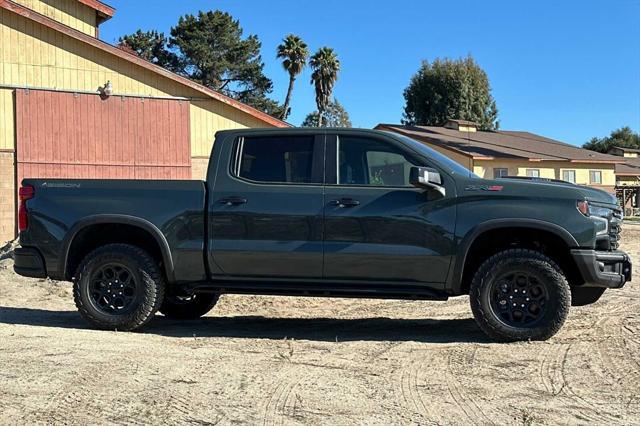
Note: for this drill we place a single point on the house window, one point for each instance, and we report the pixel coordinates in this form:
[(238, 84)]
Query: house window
[(569, 176), (498, 173), (534, 173), (595, 177)]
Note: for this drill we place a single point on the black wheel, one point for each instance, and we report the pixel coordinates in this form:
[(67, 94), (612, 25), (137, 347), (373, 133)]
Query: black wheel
[(520, 295), (118, 287), (185, 307)]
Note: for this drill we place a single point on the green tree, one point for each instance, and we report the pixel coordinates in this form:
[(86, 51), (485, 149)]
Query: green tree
[(151, 46), (294, 53), (623, 137), (334, 116), (210, 49), (325, 66), (447, 88)]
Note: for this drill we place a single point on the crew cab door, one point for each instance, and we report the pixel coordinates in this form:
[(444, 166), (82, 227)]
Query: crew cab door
[(266, 207), (377, 226)]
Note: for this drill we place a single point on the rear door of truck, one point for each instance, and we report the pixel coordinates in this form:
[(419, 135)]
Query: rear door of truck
[(266, 206)]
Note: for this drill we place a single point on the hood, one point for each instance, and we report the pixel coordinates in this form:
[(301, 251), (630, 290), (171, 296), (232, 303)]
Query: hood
[(590, 194), (597, 195)]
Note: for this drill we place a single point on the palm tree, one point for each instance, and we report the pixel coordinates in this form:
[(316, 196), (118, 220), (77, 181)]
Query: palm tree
[(294, 52), (325, 65)]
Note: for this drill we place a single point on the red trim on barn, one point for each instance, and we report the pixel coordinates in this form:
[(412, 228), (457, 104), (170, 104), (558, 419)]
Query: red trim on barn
[(105, 12)]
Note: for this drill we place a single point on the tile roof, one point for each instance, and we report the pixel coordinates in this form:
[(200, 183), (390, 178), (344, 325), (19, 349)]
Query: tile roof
[(502, 144), (631, 167)]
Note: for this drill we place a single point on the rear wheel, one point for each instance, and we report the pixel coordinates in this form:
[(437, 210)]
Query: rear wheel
[(520, 295), (185, 307), (118, 287)]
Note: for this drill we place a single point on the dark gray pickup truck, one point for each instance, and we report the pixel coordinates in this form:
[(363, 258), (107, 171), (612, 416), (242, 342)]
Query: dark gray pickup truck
[(308, 212)]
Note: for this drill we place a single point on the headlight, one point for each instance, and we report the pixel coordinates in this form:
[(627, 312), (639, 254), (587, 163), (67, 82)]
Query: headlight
[(599, 211), (599, 214)]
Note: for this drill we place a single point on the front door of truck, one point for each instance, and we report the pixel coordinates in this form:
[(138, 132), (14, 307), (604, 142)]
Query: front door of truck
[(377, 226), (266, 207)]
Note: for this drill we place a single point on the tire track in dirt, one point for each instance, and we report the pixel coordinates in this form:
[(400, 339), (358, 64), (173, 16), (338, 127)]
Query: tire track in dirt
[(554, 377), (449, 400), (617, 356), (81, 391), (460, 363), (280, 403), (92, 393), (407, 387)]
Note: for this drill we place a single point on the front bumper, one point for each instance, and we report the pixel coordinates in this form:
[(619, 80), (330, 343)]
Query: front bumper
[(29, 263), (608, 269)]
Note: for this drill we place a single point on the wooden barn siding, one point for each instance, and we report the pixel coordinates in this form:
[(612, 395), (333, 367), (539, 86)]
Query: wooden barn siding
[(7, 123), (72, 13), (81, 136), (35, 56)]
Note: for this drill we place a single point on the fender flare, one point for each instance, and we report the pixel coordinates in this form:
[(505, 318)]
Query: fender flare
[(455, 282), (144, 224)]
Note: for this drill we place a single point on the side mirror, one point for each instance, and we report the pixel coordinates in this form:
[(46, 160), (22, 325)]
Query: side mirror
[(426, 177)]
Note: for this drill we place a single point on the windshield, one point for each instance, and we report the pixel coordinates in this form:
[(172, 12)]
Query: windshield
[(448, 163)]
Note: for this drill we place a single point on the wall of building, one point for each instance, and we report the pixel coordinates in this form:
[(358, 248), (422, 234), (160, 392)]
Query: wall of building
[(199, 167), (7, 196), (548, 169), (72, 13), (7, 122), (32, 55)]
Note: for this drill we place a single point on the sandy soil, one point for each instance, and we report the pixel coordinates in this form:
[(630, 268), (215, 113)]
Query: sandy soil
[(268, 360)]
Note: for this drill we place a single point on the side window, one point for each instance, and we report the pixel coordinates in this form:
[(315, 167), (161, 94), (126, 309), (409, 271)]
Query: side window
[(276, 159), (363, 161)]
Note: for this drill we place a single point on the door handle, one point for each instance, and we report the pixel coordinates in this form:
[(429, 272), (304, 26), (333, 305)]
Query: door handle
[(233, 201), (345, 202)]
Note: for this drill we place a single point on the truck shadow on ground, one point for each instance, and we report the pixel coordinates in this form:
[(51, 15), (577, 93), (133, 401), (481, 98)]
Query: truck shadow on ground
[(258, 327)]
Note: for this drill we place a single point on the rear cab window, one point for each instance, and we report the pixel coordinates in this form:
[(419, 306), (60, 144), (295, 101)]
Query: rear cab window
[(278, 159)]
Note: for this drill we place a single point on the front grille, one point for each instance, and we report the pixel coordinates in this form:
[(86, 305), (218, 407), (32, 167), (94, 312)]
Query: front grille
[(615, 228)]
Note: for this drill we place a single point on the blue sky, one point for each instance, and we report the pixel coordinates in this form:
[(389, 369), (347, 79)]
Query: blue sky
[(569, 70)]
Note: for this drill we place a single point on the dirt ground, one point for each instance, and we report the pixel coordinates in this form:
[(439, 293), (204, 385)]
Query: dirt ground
[(269, 360)]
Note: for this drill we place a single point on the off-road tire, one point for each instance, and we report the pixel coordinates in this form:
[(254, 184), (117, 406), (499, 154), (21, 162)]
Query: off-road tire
[(150, 286), (527, 261), (194, 307)]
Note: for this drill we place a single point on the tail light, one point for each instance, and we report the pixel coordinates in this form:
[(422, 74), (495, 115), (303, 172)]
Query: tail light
[(25, 193)]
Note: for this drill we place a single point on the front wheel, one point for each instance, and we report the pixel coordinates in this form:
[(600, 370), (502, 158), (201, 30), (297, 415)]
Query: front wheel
[(520, 295)]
